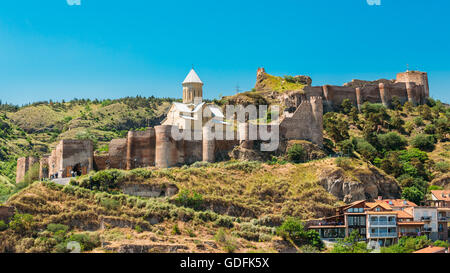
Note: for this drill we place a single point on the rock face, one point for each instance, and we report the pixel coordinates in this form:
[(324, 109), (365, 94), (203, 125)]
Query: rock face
[(443, 181), (148, 248), (145, 190), (365, 184)]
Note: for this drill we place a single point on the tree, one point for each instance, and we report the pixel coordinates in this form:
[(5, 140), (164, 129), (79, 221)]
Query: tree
[(366, 150), (396, 103), (425, 111), (351, 244), (346, 147), (336, 127), (413, 194), (424, 142), (296, 153), (293, 230), (346, 106), (392, 141), (22, 223)]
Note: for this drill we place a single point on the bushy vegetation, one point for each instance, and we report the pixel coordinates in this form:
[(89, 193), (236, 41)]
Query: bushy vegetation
[(399, 141), (293, 230), (351, 244), (296, 153), (190, 199), (408, 245)]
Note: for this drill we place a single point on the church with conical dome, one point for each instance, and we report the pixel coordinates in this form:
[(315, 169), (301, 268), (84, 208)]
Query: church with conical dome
[(193, 113)]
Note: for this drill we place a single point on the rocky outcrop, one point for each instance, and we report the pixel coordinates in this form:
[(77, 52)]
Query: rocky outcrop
[(311, 151), (359, 184), (148, 190), (148, 248), (442, 181)]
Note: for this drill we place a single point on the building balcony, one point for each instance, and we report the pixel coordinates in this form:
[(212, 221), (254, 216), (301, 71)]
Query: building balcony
[(383, 223), (442, 219), (428, 229), (409, 234), (383, 235), (425, 218)]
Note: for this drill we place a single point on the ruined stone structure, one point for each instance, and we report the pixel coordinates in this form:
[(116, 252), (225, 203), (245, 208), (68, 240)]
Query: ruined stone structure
[(302, 119), (409, 86), (24, 164)]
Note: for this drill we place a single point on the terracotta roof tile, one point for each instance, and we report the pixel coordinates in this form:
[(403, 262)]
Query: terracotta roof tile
[(431, 249), (442, 195)]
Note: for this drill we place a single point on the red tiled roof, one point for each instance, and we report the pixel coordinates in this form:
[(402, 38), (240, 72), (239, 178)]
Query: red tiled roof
[(442, 195), (431, 249), (377, 203), (404, 215), (399, 203)]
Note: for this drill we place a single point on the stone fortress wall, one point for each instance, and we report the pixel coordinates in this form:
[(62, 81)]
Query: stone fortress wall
[(156, 146)]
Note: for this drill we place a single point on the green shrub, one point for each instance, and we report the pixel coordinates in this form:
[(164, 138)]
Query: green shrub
[(224, 221), (346, 147), (366, 150), (138, 228), (189, 199), (106, 180), (336, 127), (440, 243), (424, 142), (442, 166), (3, 226), (22, 223), (418, 121), (227, 241), (87, 240), (54, 228), (351, 244), (176, 230), (296, 153), (109, 203), (293, 230), (392, 141), (430, 129), (344, 163)]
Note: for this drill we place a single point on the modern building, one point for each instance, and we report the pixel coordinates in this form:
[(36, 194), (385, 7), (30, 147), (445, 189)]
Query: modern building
[(429, 216), (383, 222)]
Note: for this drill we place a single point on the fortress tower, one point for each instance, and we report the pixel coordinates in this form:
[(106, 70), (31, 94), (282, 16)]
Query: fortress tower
[(192, 87)]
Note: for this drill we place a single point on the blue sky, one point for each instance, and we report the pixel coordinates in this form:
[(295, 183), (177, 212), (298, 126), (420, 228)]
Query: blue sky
[(111, 49)]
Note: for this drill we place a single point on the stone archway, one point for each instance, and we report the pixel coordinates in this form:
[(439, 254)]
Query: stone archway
[(76, 170)]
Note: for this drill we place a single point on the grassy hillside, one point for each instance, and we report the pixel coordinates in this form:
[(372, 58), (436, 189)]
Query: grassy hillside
[(410, 143), (35, 129)]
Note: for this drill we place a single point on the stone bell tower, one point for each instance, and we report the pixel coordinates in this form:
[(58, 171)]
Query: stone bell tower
[(192, 88)]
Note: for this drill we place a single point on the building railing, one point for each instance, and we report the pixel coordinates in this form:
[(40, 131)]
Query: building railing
[(383, 234), (442, 219), (428, 229), (409, 234), (426, 218), (383, 223)]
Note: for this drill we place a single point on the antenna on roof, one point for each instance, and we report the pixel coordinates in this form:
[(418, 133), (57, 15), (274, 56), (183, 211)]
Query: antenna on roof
[(237, 88)]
